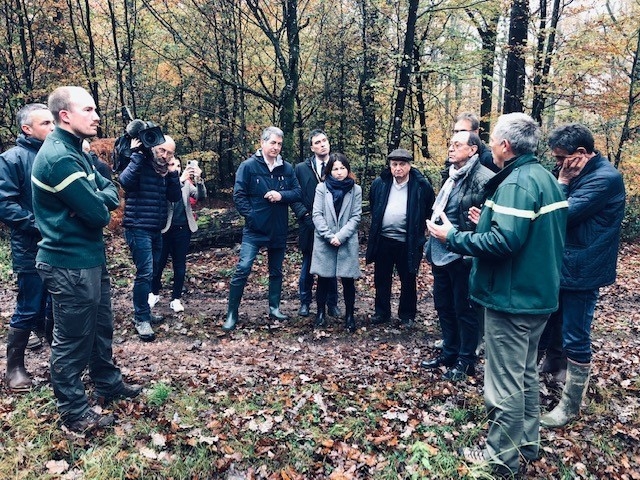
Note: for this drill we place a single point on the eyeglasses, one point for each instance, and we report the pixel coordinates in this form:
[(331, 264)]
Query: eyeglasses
[(461, 130), (562, 158)]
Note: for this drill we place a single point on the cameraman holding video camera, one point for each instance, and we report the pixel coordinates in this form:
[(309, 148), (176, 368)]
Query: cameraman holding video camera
[(149, 181)]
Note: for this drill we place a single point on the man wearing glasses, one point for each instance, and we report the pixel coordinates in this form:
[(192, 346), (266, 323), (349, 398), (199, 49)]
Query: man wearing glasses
[(149, 181), (596, 195), (468, 122)]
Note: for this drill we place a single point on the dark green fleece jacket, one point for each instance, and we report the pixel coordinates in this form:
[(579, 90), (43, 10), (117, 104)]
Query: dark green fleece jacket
[(71, 203)]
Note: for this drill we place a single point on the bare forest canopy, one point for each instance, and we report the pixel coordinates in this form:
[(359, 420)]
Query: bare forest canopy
[(374, 74)]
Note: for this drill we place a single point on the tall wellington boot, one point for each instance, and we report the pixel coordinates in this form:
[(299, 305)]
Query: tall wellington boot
[(349, 319), (17, 378), (574, 391), (275, 290), (235, 295), (321, 317)]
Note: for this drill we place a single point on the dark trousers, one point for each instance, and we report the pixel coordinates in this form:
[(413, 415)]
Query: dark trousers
[(146, 247), (393, 253), (175, 242), (31, 303), (459, 320), (325, 285), (82, 335), (305, 284)]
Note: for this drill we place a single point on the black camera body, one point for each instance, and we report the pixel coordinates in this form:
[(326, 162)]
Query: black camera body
[(149, 134)]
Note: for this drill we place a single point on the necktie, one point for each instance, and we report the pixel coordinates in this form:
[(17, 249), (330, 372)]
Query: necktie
[(321, 172)]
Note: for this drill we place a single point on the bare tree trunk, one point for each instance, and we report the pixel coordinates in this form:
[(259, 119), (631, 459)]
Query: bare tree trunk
[(544, 52), (403, 81)]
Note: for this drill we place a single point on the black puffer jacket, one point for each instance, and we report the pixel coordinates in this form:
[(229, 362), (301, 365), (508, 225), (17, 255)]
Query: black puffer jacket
[(16, 208), (596, 208), (147, 193), (419, 203)]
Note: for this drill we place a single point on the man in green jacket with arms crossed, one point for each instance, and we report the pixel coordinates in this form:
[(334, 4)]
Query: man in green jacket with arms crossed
[(517, 249), (71, 203)]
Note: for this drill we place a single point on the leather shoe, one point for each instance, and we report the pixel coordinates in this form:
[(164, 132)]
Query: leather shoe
[(379, 319), (126, 390), (439, 361), (406, 322), (333, 311), (303, 311), (460, 372), (321, 320), (89, 421)]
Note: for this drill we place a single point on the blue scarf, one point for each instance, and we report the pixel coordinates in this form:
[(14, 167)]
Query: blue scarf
[(338, 189)]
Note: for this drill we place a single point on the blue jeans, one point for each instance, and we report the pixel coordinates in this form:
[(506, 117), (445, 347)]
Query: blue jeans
[(248, 253), (458, 318), (82, 335), (31, 302), (305, 284), (577, 307), (146, 247), (175, 242)]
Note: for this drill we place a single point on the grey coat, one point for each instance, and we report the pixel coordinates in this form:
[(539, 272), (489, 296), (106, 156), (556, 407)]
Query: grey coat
[(327, 260)]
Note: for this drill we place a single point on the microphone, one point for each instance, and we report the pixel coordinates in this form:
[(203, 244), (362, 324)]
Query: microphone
[(135, 127)]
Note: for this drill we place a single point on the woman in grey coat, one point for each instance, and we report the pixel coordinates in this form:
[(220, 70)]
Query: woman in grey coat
[(337, 208)]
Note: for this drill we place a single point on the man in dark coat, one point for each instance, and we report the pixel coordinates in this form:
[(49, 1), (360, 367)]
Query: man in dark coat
[(400, 200), (459, 319), (309, 173), (35, 122), (596, 195), (265, 187), (148, 182)]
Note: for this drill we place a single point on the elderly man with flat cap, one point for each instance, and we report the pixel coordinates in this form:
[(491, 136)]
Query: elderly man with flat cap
[(400, 199)]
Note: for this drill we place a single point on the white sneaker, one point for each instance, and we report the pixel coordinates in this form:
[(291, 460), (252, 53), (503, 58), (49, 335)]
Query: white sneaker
[(176, 305), (152, 300)]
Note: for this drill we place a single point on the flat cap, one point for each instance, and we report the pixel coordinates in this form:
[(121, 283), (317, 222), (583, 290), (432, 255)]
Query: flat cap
[(400, 154)]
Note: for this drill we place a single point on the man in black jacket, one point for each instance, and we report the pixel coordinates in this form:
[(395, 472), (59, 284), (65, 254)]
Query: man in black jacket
[(309, 173), (35, 122), (400, 199), (265, 187), (149, 181)]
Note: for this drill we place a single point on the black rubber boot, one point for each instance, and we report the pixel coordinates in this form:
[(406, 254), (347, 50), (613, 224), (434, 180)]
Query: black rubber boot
[(349, 319), (48, 329), (235, 295), (321, 318), (17, 378), (275, 289)]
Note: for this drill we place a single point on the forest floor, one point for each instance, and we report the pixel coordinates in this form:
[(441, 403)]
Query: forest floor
[(285, 401)]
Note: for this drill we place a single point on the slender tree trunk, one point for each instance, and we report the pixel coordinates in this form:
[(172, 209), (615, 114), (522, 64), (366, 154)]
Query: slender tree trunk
[(544, 54), (403, 86), (422, 108)]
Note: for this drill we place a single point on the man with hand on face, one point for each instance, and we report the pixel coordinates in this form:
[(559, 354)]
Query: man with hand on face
[(265, 187), (71, 203), (309, 173), (459, 322), (149, 182), (400, 200), (35, 122), (596, 195)]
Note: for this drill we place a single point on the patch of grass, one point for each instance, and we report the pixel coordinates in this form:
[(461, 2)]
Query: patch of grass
[(158, 394)]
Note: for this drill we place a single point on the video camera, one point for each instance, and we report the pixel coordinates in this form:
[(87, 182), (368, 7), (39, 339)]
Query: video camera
[(148, 133)]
